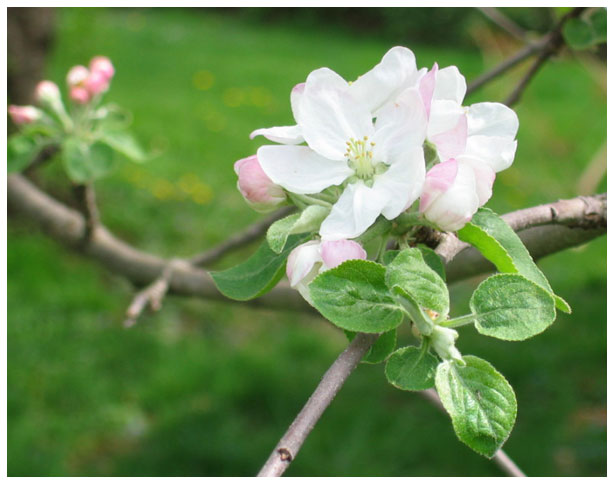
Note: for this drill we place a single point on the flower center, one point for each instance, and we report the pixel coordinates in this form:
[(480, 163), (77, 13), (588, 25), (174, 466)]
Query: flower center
[(360, 157)]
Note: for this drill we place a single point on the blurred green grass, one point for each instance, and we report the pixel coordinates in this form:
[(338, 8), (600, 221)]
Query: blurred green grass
[(205, 388)]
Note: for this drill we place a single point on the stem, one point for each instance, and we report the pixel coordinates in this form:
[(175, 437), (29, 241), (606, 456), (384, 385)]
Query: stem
[(459, 321), (287, 448)]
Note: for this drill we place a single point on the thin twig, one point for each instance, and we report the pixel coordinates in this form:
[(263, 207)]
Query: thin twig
[(504, 22), (86, 201), (153, 294), (554, 43), (287, 448), (240, 239), (501, 459)]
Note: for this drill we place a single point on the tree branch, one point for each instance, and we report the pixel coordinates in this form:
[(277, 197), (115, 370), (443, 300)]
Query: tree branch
[(555, 40), (504, 22), (288, 447), (86, 201), (67, 226)]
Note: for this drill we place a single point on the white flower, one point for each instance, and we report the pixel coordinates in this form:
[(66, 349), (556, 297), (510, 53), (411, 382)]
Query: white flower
[(479, 138), (380, 164), (309, 259)]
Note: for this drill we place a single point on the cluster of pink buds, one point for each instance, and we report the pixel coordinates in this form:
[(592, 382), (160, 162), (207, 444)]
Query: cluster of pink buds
[(84, 83)]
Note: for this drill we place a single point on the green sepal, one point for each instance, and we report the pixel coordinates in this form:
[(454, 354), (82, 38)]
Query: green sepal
[(308, 220)]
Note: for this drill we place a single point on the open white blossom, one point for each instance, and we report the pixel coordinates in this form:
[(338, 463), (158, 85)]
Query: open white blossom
[(368, 145)]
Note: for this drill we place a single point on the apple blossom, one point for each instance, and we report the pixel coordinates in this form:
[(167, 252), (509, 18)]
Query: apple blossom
[(258, 189), (22, 115), (77, 75), (309, 259), (478, 141), (79, 94), (379, 164), (96, 83)]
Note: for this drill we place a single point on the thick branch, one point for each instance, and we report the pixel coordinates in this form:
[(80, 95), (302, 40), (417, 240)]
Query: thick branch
[(504, 22), (288, 447), (86, 200), (67, 226)]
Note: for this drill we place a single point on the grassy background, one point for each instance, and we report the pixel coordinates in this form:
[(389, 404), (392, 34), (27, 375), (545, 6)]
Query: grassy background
[(205, 388)]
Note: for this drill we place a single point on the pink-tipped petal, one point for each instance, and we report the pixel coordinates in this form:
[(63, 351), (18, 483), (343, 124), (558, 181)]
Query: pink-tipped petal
[(96, 83), (335, 253), (79, 95), (102, 65), (258, 189), (22, 115), (426, 87), (437, 181), (453, 142)]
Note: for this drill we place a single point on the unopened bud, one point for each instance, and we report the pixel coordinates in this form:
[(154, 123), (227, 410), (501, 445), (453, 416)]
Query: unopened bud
[(47, 93), (77, 75), (102, 65), (96, 83), (443, 342), (22, 115), (79, 95), (258, 189)]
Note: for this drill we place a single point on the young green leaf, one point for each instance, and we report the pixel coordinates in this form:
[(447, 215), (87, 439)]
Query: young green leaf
[(85, 162), (354, 297), (578, 34), (480, 401), (511, 307), (410, 272), (258, 274), (125, 144), (411, 369), (21, 150), (497, 242), (433, 260), (380, 350), (307, 221)]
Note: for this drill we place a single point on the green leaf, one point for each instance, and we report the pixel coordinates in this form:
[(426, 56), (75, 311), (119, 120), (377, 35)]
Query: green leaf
[(21, 151), (354, 297), (480, 401), (433, 260), (389, 256), (411, 369), (258, 274), (410, 272), (511, 307), (307, 221), (125, 144), (84, 162), (497, 242)]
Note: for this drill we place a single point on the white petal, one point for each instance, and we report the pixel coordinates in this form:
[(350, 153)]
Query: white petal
[(452, 142), (492, 119), (296, 95), (496, 151), (402, 122), (357, 209), (450, 84), (329, 116), (401, 184), (396, 71), (301, 170), (444, 116), (287, 135), (451, 210), (484, 177), (301, 261)]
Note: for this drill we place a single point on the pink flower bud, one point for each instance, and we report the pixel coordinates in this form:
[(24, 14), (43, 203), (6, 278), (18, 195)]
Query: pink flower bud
[(77, 75), (335, 253), (47, 92), (102, 65), (258, 189), (309, 259), (449, 198), (22, 115), (96, 83), (79, 95)]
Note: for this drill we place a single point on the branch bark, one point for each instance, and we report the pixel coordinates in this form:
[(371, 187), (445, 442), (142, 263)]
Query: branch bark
[(67, 226)]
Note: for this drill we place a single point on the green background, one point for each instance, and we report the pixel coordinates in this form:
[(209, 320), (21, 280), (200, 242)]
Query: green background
[(207, 388)]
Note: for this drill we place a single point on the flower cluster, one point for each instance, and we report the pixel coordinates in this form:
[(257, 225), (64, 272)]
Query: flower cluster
[(396, 141), (84, 86)]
